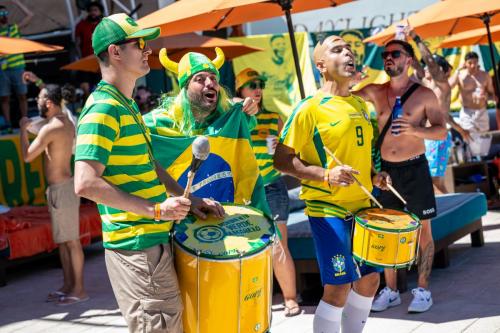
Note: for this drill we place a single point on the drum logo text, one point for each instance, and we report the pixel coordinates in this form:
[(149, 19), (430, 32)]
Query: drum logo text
[(253, 295), (378, 247), (239, 226), (338, 263)]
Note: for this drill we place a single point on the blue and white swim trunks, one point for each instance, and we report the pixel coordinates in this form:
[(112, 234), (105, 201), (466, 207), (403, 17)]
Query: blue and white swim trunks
[(438, 153)]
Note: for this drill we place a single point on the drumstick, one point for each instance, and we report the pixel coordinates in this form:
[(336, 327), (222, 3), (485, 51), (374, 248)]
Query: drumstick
[(393, 190), (396, 193), (355, 179)]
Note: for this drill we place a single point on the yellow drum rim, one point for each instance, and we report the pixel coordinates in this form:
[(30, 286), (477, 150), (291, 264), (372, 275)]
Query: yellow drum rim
[(365, 225), (257, 250)]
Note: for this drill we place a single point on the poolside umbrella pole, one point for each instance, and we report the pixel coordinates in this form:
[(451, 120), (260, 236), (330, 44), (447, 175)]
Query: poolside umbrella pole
[(486, 20), (286, 5)]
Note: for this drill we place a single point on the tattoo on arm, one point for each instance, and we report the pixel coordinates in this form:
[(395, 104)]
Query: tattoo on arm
[(434, 69), (425, 261)]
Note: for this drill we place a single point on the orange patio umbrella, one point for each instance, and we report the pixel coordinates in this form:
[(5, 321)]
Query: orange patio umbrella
[(9, 45), (177, 46), (444, 18), (194, 15), (472, 37), (448, 17)]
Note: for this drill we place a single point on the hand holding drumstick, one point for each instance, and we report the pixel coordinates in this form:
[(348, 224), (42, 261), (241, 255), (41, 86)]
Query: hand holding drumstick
[(383, 181), (354, 179)]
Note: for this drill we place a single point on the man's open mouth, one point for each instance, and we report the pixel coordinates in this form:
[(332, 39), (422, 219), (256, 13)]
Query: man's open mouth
[(210, 96), (350, 65)]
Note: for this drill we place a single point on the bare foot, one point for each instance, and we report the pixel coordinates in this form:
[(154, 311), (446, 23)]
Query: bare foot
[(292, 308)]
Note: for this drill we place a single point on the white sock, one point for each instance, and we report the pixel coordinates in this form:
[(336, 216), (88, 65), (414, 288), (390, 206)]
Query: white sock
[(327, 318), (356, 311)]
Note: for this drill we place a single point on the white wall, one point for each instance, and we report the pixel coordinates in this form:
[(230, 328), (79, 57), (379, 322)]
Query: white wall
[(355, 15)]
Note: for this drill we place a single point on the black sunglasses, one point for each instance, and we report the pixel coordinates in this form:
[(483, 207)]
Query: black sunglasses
[(394, 54), (256, 85)]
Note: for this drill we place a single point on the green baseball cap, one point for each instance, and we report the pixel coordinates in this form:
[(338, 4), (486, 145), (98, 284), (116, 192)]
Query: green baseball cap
[(116, 28)]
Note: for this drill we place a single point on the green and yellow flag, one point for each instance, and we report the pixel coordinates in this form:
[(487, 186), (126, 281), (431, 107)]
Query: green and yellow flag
[(230, 173)]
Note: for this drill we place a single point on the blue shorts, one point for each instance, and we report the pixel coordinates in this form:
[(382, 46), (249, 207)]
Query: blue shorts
[(277, 198), (438, 153), (11, 81), (332, 239)]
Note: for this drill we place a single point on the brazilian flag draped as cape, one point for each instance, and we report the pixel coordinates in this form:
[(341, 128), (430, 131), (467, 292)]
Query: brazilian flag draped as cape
[(229, 174)]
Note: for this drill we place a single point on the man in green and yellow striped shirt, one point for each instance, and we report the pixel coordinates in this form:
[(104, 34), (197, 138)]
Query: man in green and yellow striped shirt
[(12, 66), (115, 168)]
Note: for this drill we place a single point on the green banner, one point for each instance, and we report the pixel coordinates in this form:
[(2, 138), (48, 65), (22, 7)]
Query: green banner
[(20, 183)]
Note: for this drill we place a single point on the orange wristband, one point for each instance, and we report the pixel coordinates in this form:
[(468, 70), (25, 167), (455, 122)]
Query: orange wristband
[(326, 177), (157, 212)]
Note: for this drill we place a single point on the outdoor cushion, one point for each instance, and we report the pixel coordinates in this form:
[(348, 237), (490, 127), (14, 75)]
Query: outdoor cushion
[(456, 210), (36, 234)]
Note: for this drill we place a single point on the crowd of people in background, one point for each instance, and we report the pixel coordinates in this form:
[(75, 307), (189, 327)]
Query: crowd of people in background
[(12, 67), (15, 81)]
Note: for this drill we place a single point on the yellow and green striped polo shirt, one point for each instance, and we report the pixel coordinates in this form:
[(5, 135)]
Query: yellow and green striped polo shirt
[(13, 60), (341, 124), (267, 124), (112, 132)]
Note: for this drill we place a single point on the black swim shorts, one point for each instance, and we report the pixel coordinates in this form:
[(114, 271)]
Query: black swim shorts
[(413, 181)]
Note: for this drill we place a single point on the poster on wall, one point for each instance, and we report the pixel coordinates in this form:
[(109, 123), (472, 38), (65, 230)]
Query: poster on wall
[(276, 63)]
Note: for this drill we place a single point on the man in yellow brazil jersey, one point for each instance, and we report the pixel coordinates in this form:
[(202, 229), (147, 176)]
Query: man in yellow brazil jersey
[(335, 119)]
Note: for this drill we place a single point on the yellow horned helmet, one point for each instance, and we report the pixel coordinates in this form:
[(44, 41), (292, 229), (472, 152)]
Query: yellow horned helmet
[(192, 63)]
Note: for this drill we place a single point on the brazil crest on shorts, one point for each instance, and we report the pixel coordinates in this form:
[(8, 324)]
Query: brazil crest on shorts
[(230, 173)]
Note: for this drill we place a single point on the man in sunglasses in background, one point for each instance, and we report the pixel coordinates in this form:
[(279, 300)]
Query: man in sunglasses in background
[(434, 74), (12, 67), (403, 157), (114, 166)]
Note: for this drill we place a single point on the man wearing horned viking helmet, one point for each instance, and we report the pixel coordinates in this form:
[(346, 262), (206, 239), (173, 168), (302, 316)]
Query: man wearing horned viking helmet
[(203, 107)]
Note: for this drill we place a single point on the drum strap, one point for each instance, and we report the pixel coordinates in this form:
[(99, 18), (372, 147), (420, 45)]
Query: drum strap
[(388, 124)]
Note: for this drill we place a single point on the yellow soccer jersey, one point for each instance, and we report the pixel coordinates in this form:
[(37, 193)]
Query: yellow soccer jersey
[(342, 124)]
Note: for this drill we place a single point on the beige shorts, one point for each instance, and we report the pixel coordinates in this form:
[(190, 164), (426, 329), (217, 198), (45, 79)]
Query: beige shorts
[(146, 289), (64, 211)]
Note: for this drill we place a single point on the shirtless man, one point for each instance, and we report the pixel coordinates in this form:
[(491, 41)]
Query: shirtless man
[(53, 141), (474, 86), (435, 76), (403, 157)]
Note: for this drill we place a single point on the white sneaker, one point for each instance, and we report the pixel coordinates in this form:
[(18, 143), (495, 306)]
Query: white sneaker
[(422, 300), (386, 298)]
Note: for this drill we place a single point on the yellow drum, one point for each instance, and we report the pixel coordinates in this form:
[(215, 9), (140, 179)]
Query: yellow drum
[(225, 271), (385, 237)]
